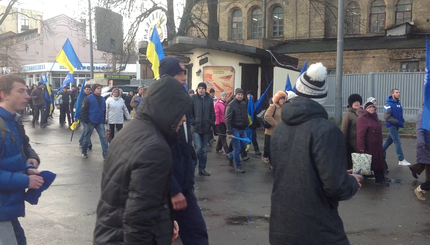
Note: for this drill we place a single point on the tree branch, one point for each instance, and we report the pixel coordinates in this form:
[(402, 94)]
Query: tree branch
[(7, 11)]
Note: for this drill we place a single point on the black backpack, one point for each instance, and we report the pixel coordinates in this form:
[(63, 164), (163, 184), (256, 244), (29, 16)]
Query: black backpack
[(264, 122)]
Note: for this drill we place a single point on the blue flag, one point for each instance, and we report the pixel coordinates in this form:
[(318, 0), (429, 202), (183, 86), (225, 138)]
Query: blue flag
[(70, 78), (426, 109), (288, 84), (250, 112), (5, 73), (79, 103), (259, 103), (304, 68)]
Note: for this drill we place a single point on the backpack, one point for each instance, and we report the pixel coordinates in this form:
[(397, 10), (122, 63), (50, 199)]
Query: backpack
[(264, 122), (3, 131)]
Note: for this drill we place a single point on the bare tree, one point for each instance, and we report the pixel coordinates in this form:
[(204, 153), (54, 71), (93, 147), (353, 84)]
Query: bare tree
[(7, 11)]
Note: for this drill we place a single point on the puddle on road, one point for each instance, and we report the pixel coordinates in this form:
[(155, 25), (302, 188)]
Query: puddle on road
[(243, 220)]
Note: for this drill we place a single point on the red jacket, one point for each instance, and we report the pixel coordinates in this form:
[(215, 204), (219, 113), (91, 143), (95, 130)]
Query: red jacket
[(369, 139), (219, 112)]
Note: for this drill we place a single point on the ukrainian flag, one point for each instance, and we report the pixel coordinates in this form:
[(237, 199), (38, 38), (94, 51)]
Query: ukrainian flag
[(68, 58), (44, 80), (155, 52), (250, 112)]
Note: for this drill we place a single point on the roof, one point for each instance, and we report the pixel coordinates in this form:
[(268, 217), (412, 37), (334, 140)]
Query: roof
[(350, 44), (181, 45)]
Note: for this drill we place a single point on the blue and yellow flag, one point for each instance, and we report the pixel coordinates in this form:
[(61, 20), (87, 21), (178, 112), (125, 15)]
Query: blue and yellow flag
[(68, 58), (259, 103), (426, 109), (154, 52), (78, 107), (44, 80)]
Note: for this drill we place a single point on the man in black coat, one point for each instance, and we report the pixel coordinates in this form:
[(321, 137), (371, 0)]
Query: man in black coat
[(185, 207), (134, 206), (203, 119), (308, 155)]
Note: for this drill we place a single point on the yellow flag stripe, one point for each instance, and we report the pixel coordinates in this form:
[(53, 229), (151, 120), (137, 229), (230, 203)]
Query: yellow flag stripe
[(152, 56), (64, 61)]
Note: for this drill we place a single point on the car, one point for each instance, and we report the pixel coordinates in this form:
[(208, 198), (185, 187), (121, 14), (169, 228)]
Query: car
[(107, 91)]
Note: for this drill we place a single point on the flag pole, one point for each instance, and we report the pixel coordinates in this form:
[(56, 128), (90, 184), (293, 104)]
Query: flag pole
[(91, 40)]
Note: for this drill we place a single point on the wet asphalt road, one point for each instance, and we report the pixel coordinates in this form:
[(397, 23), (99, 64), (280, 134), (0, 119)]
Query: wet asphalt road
[(236, 206)]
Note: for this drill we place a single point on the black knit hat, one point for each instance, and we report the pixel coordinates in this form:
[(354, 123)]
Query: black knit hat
[(202, 85), (170, 66), (353, 98), (238, 91)]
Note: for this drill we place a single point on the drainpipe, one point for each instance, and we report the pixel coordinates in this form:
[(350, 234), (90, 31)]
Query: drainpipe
[(264, 18)]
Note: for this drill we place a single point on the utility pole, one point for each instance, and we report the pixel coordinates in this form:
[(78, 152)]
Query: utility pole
[(339, 62), (91, 40)]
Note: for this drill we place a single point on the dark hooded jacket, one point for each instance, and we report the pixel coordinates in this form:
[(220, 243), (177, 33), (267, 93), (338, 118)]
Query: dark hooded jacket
[(134, 206), (203, 114), (309, 167)]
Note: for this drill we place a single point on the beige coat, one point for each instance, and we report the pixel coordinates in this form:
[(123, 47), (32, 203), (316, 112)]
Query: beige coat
[(348, 127), (272, 119)]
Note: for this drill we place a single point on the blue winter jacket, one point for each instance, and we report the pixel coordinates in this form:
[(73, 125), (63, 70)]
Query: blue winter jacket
[(393, 113), (13, 170), (93, 109)]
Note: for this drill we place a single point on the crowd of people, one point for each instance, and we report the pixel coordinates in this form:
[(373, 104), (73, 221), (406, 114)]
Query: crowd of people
[(147, 189)]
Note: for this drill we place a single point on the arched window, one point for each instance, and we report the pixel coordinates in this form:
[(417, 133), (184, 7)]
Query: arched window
[(257, 23), (403, 11), (278, 22), (352, 18), (236, 25), (377, 16)]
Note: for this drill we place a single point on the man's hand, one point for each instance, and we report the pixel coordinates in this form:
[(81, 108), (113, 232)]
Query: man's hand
[(179, 202), (175, 230), (33, 162), (35, 181), (32, 171), (358, 178), (230, 136), (349, 171)]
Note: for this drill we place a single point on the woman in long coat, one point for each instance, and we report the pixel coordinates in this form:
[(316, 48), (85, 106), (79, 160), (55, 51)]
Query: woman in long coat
[(369, 141), (349, 123), (423, 149)]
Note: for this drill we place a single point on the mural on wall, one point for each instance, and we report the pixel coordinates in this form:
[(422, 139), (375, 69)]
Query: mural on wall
[(220, 78)]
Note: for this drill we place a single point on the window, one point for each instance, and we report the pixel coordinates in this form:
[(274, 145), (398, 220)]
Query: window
[(25, 23), (278, 22), (257, 23), (352, 18), (377, 16), (403, 12), (409, 67), (236, 25)]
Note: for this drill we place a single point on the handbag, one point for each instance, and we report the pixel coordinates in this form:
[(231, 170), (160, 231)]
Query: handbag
[(107, 132), (264, 122), (361, 163)]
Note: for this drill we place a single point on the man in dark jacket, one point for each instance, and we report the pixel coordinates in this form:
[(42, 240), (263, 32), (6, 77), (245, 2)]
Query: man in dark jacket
[(203, 119), (64, 100), (308, 155), (38, 97), (134, 206), (185, 207), (93, 114), (74, 93), (393, 115), (236, 120), (18, 167), (87, 91)]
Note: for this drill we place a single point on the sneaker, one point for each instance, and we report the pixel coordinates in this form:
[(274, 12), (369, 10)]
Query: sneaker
[(204, 173), (265, 160), (419, 194), (404, 163), (239, 170), (84, 156)]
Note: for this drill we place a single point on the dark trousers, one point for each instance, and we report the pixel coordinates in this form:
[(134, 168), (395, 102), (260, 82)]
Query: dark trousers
[(65, 111), (112, 129), (426, 186), (222, 139), (37, 109), (379, 176), (267, 146), (349, 151), (19, 232), (192, 226), (254, 139), (418, 168)]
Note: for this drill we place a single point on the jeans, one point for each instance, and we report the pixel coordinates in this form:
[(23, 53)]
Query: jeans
[(36, 110), (201, 147), (44, 117), (100, 128), (81, 139), (65, 111), (238, 146), (393, 136)]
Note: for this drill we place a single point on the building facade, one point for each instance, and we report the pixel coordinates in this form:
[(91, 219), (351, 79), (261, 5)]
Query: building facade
[(20, 20), (307, 29)]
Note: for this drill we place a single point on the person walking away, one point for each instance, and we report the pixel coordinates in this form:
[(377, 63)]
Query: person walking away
[(115, 112), (63, 102), (393, 115), (74, 93), (369, 141), (93, 114), (87, 91), (18, 161), (236, 120), (38, 97), (134, 206), (219, 109), (273, 117), (349, 123), (203, 118), (255, 124), (186, 210), (212, 133), (308, 155), (423, 149)]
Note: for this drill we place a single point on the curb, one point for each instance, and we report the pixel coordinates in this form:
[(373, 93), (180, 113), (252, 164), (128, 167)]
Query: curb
[(403, 136)]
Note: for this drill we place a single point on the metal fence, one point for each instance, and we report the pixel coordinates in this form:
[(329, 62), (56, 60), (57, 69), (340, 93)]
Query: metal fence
[(379, 85)]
